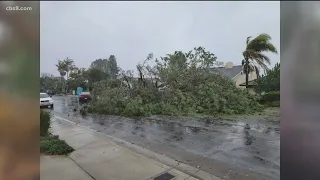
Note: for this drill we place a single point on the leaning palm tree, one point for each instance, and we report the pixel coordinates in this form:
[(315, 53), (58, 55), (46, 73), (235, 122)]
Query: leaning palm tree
[(253, 54)]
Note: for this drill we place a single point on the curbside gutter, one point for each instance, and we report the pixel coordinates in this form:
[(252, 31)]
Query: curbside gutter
[(145, 153)]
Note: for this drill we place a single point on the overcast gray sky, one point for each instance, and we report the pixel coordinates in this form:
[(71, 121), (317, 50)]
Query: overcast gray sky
[(85, 31)]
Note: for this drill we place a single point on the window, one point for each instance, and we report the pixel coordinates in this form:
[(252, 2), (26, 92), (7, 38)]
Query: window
[(44, 95)]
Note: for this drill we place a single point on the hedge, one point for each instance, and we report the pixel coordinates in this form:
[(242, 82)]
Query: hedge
[(271, 96), (45, 118), (273, 104)]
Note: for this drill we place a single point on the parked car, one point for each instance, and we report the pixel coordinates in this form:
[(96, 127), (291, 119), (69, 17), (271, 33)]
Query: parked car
[(46, 100), (85, 97)]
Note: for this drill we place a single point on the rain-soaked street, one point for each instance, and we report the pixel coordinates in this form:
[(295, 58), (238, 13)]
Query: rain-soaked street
[(231, 150)]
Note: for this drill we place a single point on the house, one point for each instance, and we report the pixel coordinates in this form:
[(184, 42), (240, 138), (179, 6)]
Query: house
[(251, 84), (235, 73)]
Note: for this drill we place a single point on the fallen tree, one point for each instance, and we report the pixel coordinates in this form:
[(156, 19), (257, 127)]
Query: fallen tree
[(177, 84)]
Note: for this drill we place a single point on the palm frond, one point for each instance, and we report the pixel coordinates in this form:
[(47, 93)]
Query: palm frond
[(269, 47), (265, 47), (262, 44), (249, 54), (251, 68), (248, 40), (262, 64), (258, 56), (256, 68)]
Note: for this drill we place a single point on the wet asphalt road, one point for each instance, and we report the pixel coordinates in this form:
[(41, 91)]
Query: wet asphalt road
[(230, 150)]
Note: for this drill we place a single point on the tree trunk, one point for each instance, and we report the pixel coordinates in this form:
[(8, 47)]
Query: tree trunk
[(61, 84), (247, 72)]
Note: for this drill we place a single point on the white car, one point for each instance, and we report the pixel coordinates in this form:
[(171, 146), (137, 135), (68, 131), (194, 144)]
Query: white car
[(46, 100)]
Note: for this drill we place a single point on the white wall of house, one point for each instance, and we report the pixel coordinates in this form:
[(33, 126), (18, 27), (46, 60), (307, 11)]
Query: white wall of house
[(241, 78)]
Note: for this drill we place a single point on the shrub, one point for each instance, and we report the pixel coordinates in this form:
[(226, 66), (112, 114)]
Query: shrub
[(273, 104), (45, 120), (54, 146), (271, 96), (135, 107), (270, 81)]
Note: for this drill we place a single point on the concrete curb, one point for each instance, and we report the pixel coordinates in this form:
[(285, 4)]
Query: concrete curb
[(145, 153)]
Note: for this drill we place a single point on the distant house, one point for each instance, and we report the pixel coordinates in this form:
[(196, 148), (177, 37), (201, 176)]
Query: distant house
[(235, 73)]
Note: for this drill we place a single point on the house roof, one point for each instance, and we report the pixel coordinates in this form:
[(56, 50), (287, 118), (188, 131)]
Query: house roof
[(229, 72), (250, 83)]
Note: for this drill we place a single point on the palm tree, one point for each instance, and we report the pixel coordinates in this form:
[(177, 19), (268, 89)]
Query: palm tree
[(62, 68), (253, 54)]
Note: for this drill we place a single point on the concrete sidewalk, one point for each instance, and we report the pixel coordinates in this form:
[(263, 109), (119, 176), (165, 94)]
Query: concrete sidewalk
[(98, 157), (61, 167)]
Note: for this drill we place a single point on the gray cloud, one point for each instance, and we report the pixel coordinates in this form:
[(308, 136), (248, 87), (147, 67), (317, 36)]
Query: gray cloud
[(85, 31)]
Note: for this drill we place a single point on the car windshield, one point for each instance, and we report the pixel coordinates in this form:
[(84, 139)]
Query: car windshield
[(44, 96), (86, 93)]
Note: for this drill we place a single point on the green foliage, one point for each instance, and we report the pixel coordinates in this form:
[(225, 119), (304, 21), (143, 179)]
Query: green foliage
[(270, 81), (96, 75), (271, 96), (78, 78), (177, 84), (99, 70), (65, 67), (112, 68), (54, 146), (62, 67), (45, 121), (48, 137), (135, 107), (49, 82), (99, 63), (69, 63), (273, 104), (108, 66), (107, 100)]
